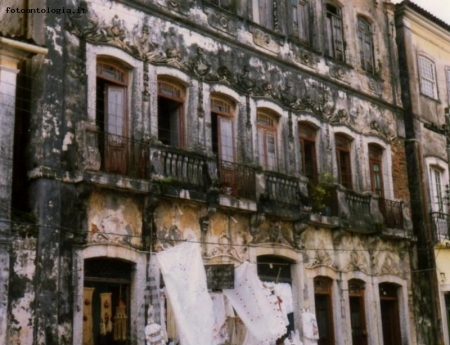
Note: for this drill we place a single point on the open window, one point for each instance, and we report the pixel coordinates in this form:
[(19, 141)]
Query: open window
[(356, 290), (365, 40), (267, 139), (324, 309), (436, 189), (112, 116), (307, 137), (343, 159), (170, 113), (300, 20), (335, 34), (376, 169)]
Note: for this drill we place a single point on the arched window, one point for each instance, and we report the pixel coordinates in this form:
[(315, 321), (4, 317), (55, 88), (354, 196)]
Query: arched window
[(307, 137), (324, 309), (267, 139), (365, 45), (356, 290), (170, 112), (343, 159), (376, 169), (335, 34), (436, 189), (390, 317), (112, 116)]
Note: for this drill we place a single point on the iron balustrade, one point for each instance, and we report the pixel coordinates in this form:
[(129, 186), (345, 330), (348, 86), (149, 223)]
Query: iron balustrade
[(440, 223), (392, 212), (237, 180)]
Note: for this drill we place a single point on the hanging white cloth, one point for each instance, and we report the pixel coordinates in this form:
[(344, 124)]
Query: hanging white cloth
[(185, 278), (251, 301), (221, 334), (310, 329)]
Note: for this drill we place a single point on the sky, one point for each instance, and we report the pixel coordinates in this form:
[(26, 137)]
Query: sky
[(439, 8)]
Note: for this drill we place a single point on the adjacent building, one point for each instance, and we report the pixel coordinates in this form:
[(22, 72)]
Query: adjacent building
[(424, 47), (270, 132)]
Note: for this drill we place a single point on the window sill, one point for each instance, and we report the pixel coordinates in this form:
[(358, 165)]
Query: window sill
[(436, 100), (207, 4), (329, 60)]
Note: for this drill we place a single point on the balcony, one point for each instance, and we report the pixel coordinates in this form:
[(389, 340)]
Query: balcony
[(179, 171), (392, 212), (237, 180), (440, 223)]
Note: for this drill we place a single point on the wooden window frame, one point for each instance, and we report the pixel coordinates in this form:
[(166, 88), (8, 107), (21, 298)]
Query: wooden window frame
[(222, 4), (340, 151), (114, 146), (365, 36), (335, 44), (327, 291), (430, 81), (306, 139), (376, 158), (436, 189), (272, 129), (356, 289), (180, 99), (228, 115)]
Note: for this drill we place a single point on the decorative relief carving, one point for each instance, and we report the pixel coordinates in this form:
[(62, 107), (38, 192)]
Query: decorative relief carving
[(198, 65), (180, 6), (225, 248), (357, 262), (390, 266), (221, 21), (321, 258), (265, 40), (304, 57), (382, 130), (341, 117), (339, 73)]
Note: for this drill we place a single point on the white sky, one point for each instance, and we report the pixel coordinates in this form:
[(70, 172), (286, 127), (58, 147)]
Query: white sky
[(439, 8)]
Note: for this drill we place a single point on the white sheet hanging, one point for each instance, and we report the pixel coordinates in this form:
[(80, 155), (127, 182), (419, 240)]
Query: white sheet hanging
[(221, 334), (185, 278), (251, 301)]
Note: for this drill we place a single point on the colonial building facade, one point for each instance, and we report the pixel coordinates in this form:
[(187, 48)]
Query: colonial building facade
[(270, 132)]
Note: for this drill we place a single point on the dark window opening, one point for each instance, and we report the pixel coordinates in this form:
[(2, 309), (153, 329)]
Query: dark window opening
[(324, 310), (376, 171), (357, 312), (170, 114), (343, 158), (307, 136)]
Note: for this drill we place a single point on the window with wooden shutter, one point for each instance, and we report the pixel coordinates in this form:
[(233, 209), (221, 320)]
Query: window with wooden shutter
[(266, 13), (356, 290), (365, 46), (222, 112), (267, 141), (324, 310), (112, 117), (436, 189), (170, 113), (335, 36), (376, 171), (307, 138), (300, 20), (343, 159)]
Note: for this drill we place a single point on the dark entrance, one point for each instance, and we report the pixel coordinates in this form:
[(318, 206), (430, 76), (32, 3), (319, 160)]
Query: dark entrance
[(390, 314), (109, 282)]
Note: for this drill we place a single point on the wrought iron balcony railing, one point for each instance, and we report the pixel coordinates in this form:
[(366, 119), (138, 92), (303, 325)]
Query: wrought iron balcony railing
[(237, 180), (441, 225)]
